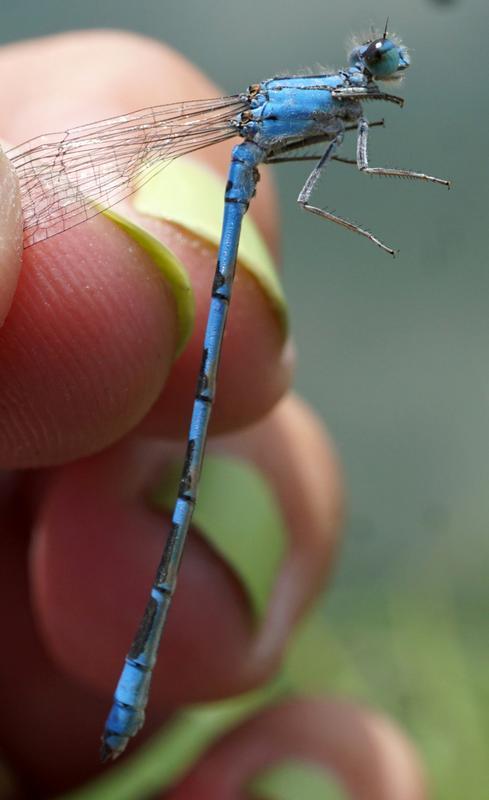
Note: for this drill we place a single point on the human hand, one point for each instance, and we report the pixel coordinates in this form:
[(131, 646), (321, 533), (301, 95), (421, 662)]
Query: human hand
[(91, 397)]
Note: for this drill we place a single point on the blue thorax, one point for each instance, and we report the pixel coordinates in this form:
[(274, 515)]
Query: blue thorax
[(292, 108)]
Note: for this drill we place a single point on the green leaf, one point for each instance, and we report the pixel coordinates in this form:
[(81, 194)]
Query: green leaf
[(190, 195), (173, 270)]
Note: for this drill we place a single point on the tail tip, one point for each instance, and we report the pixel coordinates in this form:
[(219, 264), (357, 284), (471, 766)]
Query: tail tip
[(108, 752)]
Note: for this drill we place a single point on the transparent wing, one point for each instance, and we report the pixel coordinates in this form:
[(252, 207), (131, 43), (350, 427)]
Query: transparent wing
[(66, 178)]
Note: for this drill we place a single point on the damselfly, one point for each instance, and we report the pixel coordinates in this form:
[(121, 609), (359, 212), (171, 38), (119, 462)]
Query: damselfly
[(67, 178)]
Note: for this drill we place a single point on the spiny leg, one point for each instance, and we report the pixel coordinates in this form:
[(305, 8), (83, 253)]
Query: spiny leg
[(308, 188), (311, 157), (370, 92), (362, 161), (278, 156)]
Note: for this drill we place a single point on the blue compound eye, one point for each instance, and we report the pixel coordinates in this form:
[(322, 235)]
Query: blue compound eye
[(383, 58)]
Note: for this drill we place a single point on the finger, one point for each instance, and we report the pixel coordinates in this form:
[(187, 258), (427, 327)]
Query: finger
[(91, 337), (97, 544), (41, 705), (361, 750)]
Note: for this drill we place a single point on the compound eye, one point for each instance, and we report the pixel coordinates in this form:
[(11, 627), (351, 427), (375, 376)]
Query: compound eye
[(373, 53), (382, 58)]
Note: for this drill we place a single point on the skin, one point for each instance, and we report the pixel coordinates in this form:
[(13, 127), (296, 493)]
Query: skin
[(86, 351)]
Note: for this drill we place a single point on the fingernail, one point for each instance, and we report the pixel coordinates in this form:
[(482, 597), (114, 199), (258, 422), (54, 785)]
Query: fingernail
[(291, 779), (173, 271), (239, 516), (191, 195)]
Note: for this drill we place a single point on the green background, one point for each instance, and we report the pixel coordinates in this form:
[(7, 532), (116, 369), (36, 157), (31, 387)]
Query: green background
[(393, 353)]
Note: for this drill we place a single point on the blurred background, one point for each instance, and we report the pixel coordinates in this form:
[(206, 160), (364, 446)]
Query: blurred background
[(392, 353)]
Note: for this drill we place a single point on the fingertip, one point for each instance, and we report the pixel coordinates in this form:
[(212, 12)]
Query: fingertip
[(96, 520), (366, 753), (86, 348)]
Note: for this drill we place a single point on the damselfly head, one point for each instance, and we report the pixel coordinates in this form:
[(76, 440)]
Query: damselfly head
[(381, 56)]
